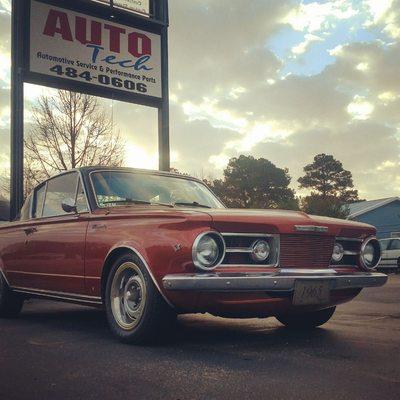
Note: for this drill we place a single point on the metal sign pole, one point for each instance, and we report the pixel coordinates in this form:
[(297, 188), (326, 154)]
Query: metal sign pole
[(17, 112), (163, 111)]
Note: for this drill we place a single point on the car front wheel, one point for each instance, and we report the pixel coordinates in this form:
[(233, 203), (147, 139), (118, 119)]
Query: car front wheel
[(10, 303), (307, 320), (136, 311)]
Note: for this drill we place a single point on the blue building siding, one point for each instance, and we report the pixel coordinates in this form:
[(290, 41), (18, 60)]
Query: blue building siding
[(386, 219)]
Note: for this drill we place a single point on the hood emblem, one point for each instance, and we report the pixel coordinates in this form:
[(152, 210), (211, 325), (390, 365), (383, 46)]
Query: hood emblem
[(178, 247), (311, 228)]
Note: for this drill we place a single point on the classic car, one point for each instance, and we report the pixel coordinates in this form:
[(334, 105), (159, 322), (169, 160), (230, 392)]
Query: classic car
[(149, 245)]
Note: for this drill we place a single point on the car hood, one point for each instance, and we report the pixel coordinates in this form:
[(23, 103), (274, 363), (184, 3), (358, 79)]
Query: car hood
[(283, 221), (252, 221)]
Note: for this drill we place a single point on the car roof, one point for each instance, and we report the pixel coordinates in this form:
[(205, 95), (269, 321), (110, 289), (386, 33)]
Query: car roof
[(128, 169), (89, 169)]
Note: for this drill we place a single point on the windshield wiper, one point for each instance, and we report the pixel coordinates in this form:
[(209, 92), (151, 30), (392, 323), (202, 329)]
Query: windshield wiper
[(129, 201), (193, 204), (135, 201)]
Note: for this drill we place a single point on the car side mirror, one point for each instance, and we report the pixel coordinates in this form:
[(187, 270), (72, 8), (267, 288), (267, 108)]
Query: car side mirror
[(69, 206)]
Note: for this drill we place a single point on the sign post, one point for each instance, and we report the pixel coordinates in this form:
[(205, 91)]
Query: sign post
[(163, 111), (17, 113), (108, 48)]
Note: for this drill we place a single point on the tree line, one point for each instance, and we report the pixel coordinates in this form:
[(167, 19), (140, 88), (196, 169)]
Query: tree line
[(249, 182)]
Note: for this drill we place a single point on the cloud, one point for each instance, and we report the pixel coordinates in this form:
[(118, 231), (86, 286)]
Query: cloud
[(385, 13), (315, 16), (5, 50), (196, 141), (360, 108), (302, 47), (362, 66), (260, 132), (225, 48), (388, 97), (5, 7), (218, 118), (381, 74), (388, 164)]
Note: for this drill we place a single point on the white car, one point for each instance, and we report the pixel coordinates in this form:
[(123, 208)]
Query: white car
[(390, 253)]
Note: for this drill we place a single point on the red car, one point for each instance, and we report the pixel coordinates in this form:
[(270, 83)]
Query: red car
[(150, 245)]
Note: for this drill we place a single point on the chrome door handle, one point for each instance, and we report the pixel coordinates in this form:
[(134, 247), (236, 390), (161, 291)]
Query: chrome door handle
[(99, 226)]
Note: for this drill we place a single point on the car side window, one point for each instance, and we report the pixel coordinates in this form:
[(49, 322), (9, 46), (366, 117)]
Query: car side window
[(81, 204), (38, 201), (395, 245), (58, 189)]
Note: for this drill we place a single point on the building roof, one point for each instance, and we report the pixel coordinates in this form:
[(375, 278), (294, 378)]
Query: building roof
[(363, 207)]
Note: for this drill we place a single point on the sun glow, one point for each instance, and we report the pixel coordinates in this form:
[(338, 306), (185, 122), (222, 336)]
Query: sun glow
[(138, 157)]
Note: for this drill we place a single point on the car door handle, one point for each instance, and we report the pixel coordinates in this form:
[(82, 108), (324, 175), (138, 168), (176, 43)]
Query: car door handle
[(30, 231), (99, 226)]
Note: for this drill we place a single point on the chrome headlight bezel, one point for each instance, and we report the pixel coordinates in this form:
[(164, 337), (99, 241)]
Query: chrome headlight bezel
[(377, 254), (253, 254), (217, 237)]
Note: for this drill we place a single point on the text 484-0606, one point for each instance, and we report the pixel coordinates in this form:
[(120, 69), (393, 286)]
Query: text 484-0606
[(117, 83)]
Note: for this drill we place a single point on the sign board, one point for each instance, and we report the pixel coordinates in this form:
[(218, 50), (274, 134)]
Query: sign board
[(66, 44), (140, 6)]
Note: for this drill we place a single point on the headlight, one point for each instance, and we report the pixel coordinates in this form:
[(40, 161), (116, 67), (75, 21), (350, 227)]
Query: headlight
[(338, 252), (370, 255), (208, 250), (260, 251)]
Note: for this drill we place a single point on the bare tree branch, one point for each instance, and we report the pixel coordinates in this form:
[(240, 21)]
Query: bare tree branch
[(70, 130)]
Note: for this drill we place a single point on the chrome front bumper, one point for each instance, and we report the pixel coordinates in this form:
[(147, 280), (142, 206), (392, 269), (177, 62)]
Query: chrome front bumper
[(279, 281)]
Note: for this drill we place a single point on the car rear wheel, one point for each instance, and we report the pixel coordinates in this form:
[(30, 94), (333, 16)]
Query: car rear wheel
[(136, 311), (10, 303), (308, 320)]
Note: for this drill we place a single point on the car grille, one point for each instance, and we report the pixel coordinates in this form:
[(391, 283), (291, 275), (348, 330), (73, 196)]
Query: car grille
[(306, 251)]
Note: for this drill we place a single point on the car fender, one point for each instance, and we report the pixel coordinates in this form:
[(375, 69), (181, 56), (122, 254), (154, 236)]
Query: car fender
[(140, 252)]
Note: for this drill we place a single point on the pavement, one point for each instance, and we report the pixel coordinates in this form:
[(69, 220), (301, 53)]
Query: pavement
[(58, 351)]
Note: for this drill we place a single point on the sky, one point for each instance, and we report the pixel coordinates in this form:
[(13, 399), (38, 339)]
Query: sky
[(283, 80)]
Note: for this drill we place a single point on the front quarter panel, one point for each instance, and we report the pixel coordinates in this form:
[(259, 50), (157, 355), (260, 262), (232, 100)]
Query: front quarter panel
[(164, 242)]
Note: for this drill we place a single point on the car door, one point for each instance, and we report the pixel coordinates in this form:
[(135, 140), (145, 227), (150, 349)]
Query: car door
[(55, 241)]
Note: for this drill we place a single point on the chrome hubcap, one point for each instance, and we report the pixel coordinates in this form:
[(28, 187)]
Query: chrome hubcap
[(128, 295)]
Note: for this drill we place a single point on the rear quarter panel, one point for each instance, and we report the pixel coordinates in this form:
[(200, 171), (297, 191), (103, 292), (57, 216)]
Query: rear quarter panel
[(11, 236)]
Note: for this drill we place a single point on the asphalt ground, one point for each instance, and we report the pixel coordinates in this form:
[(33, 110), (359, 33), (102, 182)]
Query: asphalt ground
[(59, 351)]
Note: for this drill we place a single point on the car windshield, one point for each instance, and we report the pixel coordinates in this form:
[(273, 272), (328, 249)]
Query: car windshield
[(116, 188)]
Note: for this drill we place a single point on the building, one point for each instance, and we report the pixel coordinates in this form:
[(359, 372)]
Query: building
[(384, 214)]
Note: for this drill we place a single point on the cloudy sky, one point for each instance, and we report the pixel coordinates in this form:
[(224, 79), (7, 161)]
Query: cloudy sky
[(278, 79)]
